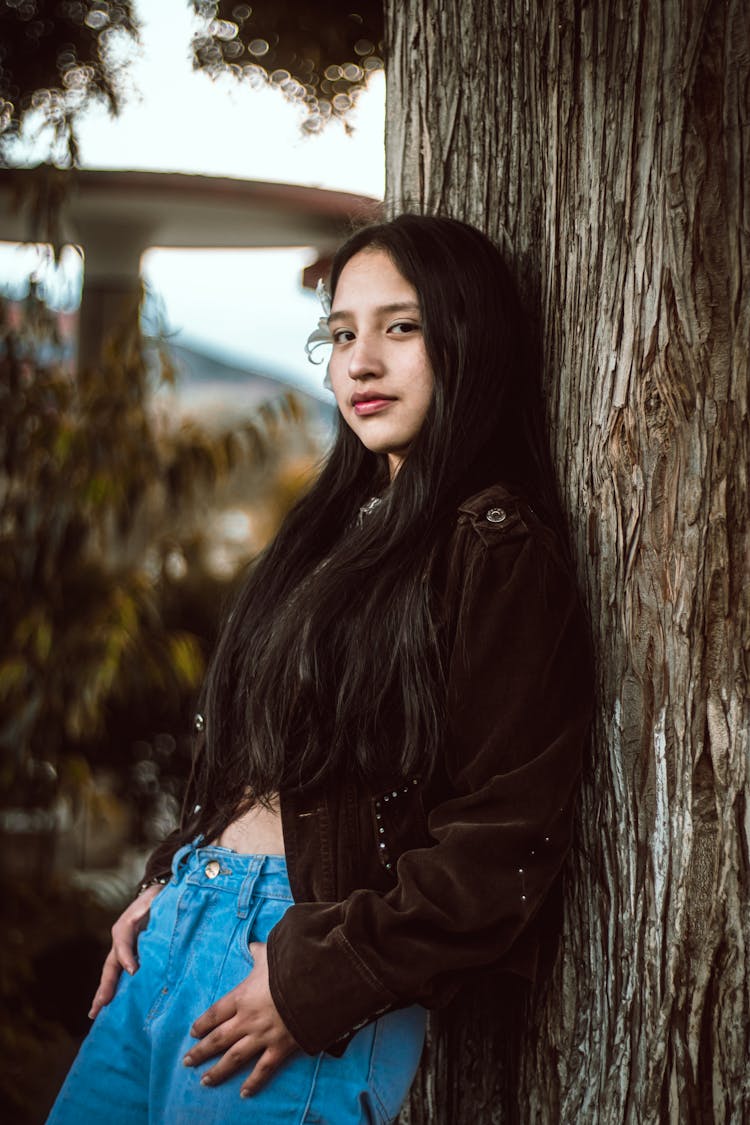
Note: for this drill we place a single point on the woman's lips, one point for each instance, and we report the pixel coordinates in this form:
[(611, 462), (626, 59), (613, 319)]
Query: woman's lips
[(371, 405)]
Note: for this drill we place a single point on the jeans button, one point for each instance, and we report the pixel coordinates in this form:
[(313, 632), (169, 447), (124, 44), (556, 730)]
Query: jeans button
[(212, 869)]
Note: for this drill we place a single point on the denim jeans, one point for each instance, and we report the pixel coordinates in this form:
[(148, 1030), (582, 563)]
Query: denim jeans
[(193, 951)]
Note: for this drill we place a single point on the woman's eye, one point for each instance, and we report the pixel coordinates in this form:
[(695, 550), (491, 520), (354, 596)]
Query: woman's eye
[(342, 335), (403, 327)]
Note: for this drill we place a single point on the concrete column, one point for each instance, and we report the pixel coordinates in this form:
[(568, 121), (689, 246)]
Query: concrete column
[(111, 278)]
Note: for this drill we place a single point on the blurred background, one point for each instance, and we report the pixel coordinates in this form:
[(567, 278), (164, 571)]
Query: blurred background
[(174, 177)]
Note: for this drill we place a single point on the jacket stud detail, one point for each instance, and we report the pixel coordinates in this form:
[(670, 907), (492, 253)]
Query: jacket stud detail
[(199, 723), (496, 515)]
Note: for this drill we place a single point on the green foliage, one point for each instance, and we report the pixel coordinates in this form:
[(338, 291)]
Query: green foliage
[(92, 494), (55, 58), (318, 54)]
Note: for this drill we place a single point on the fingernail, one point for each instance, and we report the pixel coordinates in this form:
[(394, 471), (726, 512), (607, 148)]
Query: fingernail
[(91, 1013), (207, 1080), (245, 1093), (188, 1061)]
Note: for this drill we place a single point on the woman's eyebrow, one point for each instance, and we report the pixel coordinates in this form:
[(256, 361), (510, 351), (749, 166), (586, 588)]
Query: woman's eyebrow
[(398, 306)]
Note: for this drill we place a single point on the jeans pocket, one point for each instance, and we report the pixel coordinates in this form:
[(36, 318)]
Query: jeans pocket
[(271, 911), (246, 931)]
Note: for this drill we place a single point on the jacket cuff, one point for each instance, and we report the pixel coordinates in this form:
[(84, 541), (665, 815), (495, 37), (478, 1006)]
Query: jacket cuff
[(325, 995)]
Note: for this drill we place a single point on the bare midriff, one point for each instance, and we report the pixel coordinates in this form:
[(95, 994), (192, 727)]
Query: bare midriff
[(255, 832)]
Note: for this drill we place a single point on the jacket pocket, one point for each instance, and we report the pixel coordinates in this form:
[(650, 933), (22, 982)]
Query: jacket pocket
[(400, 822)]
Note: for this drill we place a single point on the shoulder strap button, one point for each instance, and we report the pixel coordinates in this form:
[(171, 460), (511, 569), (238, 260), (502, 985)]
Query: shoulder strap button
[(496, 515)]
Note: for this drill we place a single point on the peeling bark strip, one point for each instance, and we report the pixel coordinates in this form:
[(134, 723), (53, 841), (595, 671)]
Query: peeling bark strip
[(609, 143)]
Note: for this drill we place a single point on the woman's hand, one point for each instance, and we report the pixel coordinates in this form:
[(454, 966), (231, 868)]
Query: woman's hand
[(240, 1026), (122, 954)]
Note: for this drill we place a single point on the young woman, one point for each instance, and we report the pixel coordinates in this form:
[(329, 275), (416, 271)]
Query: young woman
[(390, 735)]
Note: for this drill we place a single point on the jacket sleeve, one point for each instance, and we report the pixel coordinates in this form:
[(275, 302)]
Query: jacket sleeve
[(519, 702)]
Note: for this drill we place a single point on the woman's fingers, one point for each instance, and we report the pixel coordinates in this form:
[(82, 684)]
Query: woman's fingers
[(123, 947), (236, 1057), (239, 1055), (122, 954), (130, 923), (222, 1038), (268, 1063), (124, 935), (107, 984), (217, 1014), (244, 1025), (240, 1044)]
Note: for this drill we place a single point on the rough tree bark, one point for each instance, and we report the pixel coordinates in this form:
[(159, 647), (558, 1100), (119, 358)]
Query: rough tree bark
[(608, 144)]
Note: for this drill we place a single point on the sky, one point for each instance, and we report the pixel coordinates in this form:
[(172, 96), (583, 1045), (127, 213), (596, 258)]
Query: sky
[(245, 306)]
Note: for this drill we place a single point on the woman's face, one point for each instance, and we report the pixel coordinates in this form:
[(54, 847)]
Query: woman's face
[(379, 369)]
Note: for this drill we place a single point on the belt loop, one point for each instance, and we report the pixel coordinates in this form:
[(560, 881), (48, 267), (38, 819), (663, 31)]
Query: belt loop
[(184, 853), (248, 885)]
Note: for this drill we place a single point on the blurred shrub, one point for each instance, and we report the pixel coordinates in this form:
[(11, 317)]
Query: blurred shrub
[(104, 550)]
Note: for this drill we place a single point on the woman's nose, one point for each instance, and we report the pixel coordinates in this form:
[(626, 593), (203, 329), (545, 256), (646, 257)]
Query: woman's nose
[(365, 359)]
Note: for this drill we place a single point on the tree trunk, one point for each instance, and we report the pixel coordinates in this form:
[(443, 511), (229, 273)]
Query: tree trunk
[(609, 145)]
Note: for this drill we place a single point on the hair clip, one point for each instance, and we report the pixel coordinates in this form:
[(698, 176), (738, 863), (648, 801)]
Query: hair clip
[(322, 334)]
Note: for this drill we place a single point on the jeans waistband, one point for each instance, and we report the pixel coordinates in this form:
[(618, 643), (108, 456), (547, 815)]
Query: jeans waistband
[(222, 869)]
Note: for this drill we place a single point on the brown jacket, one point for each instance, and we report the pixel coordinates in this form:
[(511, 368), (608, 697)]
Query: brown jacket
[(402, 889)]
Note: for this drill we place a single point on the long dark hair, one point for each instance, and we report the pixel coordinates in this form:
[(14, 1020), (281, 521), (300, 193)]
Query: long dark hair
[(331, 657)]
